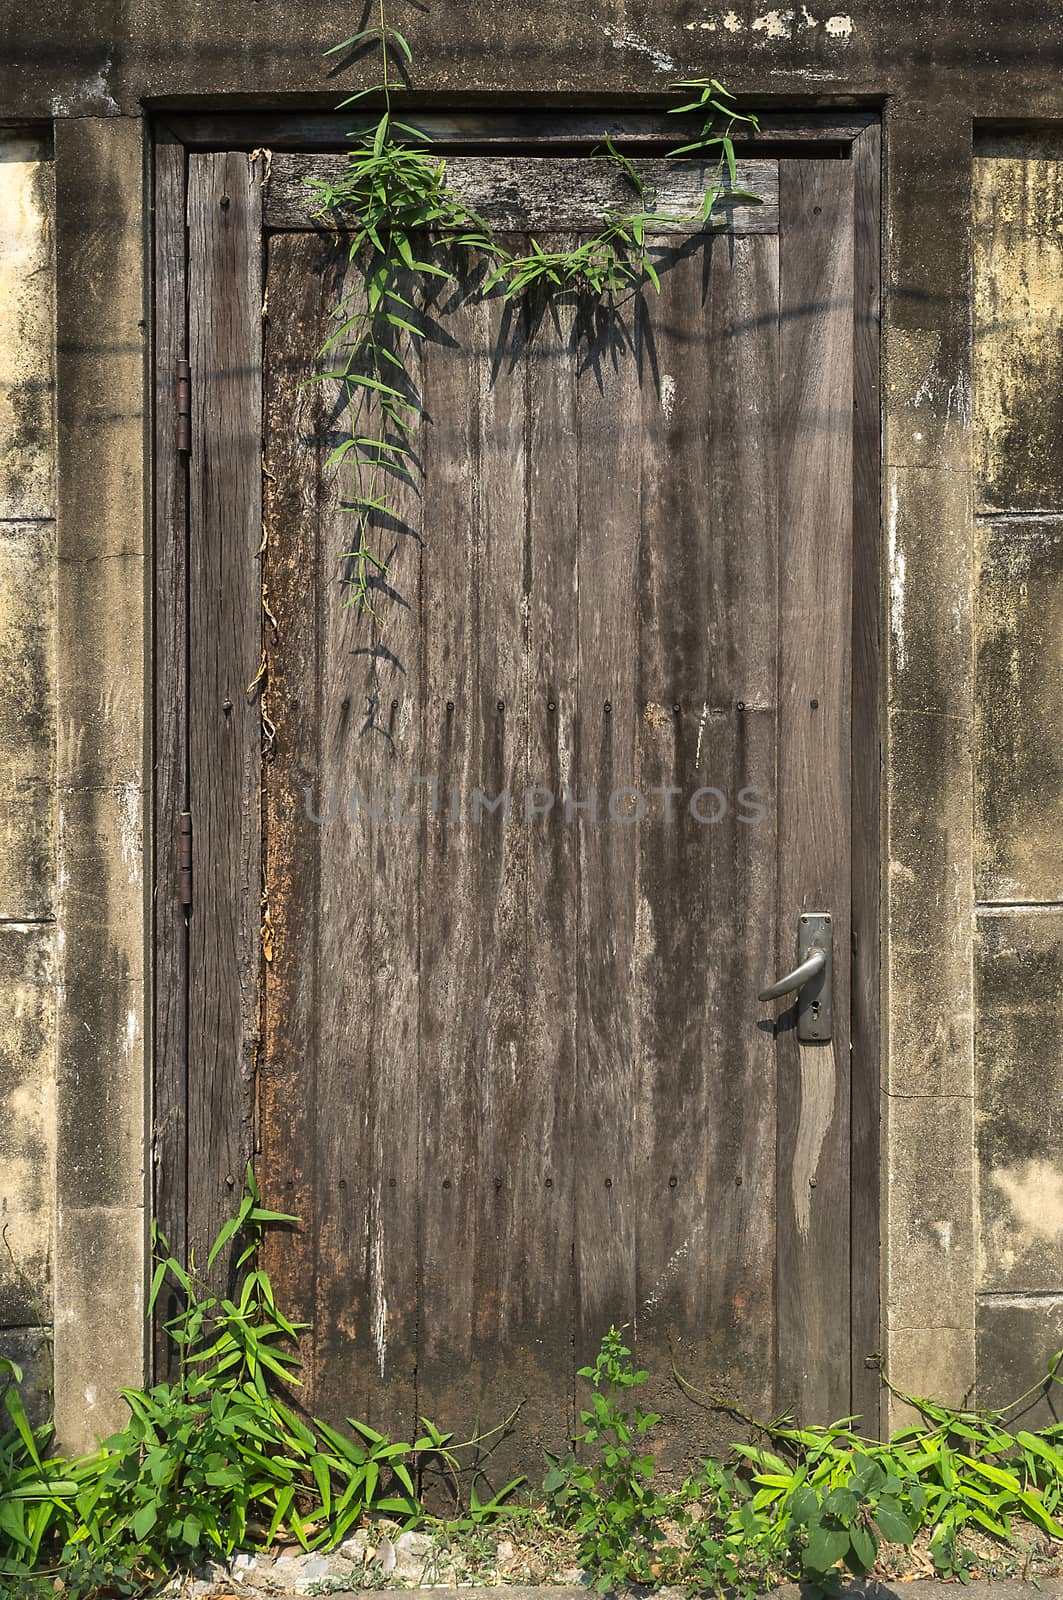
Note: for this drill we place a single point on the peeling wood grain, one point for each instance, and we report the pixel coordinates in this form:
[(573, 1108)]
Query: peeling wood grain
[(708, 638), (534, 193), (225, 530), (814, 796)]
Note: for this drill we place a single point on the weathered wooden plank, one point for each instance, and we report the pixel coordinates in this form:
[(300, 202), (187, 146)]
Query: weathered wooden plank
[(866, 759), (288, 1092), (815, 597), (522, 193), (608, 488), (455, 983), (366, 1183), (393, 676), (516, 130), (225, 527), (705, 1129), (170, 1059), (509, 1188), (551, 1164)]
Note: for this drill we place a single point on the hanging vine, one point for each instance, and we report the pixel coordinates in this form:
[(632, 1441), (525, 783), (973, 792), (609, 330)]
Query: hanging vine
[(393, 192)]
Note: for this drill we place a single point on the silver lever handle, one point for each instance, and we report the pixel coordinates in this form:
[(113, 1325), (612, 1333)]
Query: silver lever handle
[(812, 977), (797, 978)]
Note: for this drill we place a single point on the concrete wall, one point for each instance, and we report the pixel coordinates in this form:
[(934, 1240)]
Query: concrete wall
[(1018, 411), (27, 755), (972, 1171)]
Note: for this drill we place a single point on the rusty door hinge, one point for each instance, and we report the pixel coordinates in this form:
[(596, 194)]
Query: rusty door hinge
[(184, 408), (184, 858)]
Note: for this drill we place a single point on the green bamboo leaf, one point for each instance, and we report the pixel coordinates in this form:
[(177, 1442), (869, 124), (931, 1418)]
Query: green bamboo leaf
[(1050, 1453), (1006, 1480), (407, 327), (994, 1525), (323, 1479), (355, 38), (376, 88), (157, 1280), (1037, 1512), (401, 42)]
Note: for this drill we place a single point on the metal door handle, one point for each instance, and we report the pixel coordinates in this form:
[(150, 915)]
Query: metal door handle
[(797, 978), (811, 978)]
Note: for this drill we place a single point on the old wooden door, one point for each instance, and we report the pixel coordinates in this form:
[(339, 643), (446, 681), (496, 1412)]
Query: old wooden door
[(504, 1056)]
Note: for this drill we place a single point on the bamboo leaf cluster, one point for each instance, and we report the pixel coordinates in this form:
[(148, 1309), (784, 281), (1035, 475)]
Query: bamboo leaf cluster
[(403, 225)]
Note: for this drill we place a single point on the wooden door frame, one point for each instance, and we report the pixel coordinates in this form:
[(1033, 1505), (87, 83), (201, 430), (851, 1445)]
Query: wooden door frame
[(854, 135)]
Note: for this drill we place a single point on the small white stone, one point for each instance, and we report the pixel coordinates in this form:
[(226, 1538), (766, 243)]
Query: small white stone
[(413, 1544), (356, 1547), (299, 1573), (385, 1555)]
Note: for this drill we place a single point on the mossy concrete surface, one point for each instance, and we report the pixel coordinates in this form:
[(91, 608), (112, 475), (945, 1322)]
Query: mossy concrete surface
[(110, 58), (1018, 608), (27, 757)]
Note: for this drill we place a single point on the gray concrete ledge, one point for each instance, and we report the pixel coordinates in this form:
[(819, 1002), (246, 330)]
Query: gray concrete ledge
[(915, 1589)]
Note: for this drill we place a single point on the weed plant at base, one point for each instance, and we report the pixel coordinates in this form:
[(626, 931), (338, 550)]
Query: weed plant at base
[(218, 1460)]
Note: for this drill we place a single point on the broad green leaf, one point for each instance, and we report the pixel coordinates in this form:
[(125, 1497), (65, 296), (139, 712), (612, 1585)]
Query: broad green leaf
[(145, 1520), (892, 1523), (804, 1505), (826, 1547), (864, 1546), (841, 1503)]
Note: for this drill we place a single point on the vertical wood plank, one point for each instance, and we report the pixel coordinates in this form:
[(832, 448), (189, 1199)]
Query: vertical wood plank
[(170, 1131), (509, 1195), (395, 680), (705, 1130), (288, 1092), (454, 982), (549, 1167), (608, 489), (866, 762), (523, 1321), (365, 1205), (225, 526), (815, 599)]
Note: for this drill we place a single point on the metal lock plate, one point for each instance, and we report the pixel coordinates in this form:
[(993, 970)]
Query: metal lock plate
[(815, 932)]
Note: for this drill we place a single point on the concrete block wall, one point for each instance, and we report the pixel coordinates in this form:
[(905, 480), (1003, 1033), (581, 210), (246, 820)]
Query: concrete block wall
[(1018, 478), (28, 883)]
